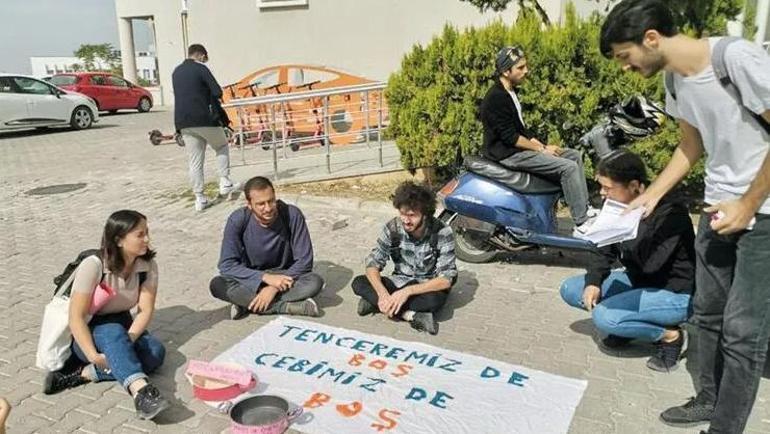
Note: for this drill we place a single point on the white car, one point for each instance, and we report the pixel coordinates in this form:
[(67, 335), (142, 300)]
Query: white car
[(27, 102)]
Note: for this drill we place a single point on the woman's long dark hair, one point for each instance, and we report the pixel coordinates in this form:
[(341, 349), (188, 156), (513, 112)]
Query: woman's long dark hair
[(118, 225)]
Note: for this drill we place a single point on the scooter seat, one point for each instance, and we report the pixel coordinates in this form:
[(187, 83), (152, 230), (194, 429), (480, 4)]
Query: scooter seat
[(523, 182)]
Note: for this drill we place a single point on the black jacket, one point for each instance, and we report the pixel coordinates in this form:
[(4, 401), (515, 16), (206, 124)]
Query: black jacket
[(502, 126), (196, 97), (661, 256)]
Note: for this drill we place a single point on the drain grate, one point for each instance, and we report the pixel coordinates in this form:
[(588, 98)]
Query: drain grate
[(56, 189)]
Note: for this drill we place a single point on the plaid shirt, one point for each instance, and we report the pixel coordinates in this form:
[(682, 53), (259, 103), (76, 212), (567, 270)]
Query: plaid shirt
[(418, 261)]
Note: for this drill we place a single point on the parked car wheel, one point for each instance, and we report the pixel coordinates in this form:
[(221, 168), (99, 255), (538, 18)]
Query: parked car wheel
[(82, 118), (144, 105)]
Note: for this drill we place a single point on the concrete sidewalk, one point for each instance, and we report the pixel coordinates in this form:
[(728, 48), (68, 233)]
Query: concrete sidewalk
[(509, 310)]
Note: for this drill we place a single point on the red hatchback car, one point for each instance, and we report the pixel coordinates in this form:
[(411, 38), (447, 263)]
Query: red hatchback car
[(110, 92)]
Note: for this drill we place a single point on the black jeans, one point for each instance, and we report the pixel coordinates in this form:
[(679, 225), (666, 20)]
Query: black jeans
[(732, 316), (230, 290), (429, 302)]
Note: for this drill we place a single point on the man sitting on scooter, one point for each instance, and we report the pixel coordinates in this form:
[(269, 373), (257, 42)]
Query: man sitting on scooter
[(508, 142), (422, 249)]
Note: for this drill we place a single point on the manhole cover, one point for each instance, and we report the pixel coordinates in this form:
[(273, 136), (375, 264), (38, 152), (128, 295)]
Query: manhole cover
[(56, 189)]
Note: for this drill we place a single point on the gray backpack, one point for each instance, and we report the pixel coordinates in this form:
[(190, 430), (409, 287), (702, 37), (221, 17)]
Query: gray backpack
[(722, 74)]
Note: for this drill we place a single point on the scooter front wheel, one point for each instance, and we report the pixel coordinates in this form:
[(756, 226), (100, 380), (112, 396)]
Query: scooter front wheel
[(468, 247)]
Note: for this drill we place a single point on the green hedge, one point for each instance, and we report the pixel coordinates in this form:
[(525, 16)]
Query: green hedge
[(433, 98)]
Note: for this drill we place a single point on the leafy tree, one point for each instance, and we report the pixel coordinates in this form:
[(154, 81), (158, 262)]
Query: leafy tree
[(90, 54), (699, 17), (499, 5), (433, 98)]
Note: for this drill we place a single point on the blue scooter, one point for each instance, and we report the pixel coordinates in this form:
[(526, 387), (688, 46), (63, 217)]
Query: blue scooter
[(492, 208)]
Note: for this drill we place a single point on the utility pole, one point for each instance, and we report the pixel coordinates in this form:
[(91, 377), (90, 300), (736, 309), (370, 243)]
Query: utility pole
[(185, 38)]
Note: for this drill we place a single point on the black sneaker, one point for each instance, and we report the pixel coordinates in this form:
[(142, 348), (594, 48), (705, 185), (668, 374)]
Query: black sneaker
[(307, 307), (238, 312), (694, 412), (666, 357), (366, 308), (423, 321), (613, 341), (63, 379), (148, 402)]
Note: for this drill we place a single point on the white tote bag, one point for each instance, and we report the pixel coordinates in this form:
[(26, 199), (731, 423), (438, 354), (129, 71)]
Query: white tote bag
[(53, 347)]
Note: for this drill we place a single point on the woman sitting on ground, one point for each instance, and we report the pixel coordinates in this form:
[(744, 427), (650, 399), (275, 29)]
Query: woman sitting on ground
[(114, 345), (650, 298)]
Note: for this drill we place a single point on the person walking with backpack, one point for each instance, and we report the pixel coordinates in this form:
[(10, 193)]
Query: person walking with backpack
[(266, 261), (422, 249), (113, 344), (199, 118), (721, 97)]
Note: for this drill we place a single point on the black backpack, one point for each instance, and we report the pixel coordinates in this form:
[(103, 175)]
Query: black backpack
[(722, 74), (395, 240), (64, 280)]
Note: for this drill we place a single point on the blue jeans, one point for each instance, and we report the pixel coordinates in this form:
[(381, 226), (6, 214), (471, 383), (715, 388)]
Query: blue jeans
[(128, 361), (638, 313)]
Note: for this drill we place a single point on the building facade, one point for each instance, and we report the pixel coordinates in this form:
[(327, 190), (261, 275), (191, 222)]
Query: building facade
[(363, 37), (43, 66)]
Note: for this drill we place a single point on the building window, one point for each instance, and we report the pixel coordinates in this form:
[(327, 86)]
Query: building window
[(266, 4)]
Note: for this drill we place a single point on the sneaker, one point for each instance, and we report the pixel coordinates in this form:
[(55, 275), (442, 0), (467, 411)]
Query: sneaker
[(201, 204), (612, 341), (581, 230), (307, 307), (238, 312), (63, 379), (366, 308), (694, 412), (423, 321), (230, 191), (666, 357), (149, 403)]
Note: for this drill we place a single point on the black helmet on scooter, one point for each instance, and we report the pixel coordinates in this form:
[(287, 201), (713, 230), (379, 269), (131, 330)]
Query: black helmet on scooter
[(637, 117)]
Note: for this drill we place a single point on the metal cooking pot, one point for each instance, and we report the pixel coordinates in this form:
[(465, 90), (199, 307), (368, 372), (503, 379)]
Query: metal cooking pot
[(262, 414)]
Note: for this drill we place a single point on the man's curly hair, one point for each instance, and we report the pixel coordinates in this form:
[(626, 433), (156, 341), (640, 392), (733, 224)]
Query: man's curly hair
[(416, 197)]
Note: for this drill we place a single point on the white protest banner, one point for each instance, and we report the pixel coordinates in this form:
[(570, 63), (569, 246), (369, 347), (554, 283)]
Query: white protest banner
[(353, 382)]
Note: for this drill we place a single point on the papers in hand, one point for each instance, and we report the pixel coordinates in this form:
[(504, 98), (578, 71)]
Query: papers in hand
[(612, 226)]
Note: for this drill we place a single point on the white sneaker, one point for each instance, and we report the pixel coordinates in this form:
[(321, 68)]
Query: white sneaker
[(201, 204), (230, 191), (581, 230)]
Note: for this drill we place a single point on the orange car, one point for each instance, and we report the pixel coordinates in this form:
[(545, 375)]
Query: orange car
[(301, 120)]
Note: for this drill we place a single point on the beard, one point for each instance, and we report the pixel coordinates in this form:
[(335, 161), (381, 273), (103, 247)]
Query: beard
[(652, 63)]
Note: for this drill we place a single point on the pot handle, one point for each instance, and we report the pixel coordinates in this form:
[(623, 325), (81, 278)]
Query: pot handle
[(294, 413), (224, 407)]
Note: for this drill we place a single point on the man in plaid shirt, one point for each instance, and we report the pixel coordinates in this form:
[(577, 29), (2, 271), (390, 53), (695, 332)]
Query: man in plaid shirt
[(422, 249)]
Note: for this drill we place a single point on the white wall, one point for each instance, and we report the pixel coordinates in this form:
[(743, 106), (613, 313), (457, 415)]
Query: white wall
[(43, 66), (363, 37)]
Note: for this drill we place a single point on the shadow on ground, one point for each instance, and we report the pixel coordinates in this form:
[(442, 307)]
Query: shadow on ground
[(336, 278), (547, 256), (634, 350), (52, 130), (460, 295), (177, 325)]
